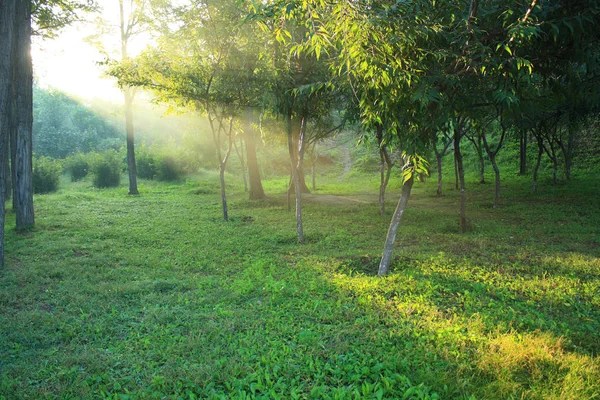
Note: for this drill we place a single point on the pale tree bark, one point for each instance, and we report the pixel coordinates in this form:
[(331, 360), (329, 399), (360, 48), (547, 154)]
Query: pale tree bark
[(23, 102), (216, 133), (240, 154), (385, 169), (386, 258), (256, 188), (7, 14), (128, 103), (297, 182)]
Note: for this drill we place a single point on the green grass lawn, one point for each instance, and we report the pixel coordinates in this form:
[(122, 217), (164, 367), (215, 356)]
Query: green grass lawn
[(155, 297)]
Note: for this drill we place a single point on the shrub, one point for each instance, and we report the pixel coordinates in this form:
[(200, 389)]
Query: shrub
[(167, 168), (78, 166), (145, 165), (107, 170), (46, 175)]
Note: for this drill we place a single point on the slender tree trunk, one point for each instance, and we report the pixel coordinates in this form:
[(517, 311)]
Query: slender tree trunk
[(461, 177), (297, 183), (385, 169), (481, 161), (128, 103), (313, 174), (523, 153), (7, 14), (438, 158), (455, 172), (386, 258), (537, 164), (223, 194), (295, 156), (497, 181), (131, 167), (240, 153), (23, 85), (256, 188)]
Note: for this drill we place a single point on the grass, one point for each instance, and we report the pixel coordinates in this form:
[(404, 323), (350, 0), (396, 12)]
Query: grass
[(153, 296)]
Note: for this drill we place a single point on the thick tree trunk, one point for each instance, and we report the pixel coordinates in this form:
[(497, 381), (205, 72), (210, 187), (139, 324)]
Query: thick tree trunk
[(386, 258), (223, 194), (256, 188), (461, 177), (23, 85), (523, 153), (131, 168), (7, 14)]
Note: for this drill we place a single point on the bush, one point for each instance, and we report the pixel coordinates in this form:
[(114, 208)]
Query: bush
[(145, 165), (46, 175), (78, 166), (167, 169), (107, 170)]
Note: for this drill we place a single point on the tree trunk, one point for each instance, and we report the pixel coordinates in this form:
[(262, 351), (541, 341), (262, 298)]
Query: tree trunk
[(523, 153), (386, 258), (296, 159), (223, 194), (240, 153), (481, 161), (131, 167), (385, 170), (256, 188), (23, 84), (497, 180), (455, 172), (438, 158), (537, 164), (297, 183), (461, 177), (128, 97), (7, 16)]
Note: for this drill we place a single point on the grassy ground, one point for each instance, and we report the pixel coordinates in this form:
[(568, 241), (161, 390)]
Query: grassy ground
[(121, 297)]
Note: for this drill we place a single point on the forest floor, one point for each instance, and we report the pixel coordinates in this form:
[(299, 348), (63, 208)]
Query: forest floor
[(155, 297)]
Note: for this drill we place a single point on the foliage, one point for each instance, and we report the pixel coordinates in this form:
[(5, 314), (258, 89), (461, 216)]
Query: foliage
[(145, 164), (78, 166), (46, 175), (167, 168), (107, 170), (63, 126), (190, 307)]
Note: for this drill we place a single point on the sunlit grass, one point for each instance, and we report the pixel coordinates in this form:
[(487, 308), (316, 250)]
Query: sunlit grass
[(153, 296)]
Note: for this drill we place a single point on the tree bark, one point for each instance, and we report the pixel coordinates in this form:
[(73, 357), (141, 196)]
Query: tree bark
[(131, 167), (438, 158), (385, 169), (128, 103), (256, 188), (455, 172), (240, 153), (297, 183), (538, 162), (23, 85), (223, 194), (523, 153), (7, 14), (386, 258), (497, 181), (461, 177), (481, 161), (296, 159)]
